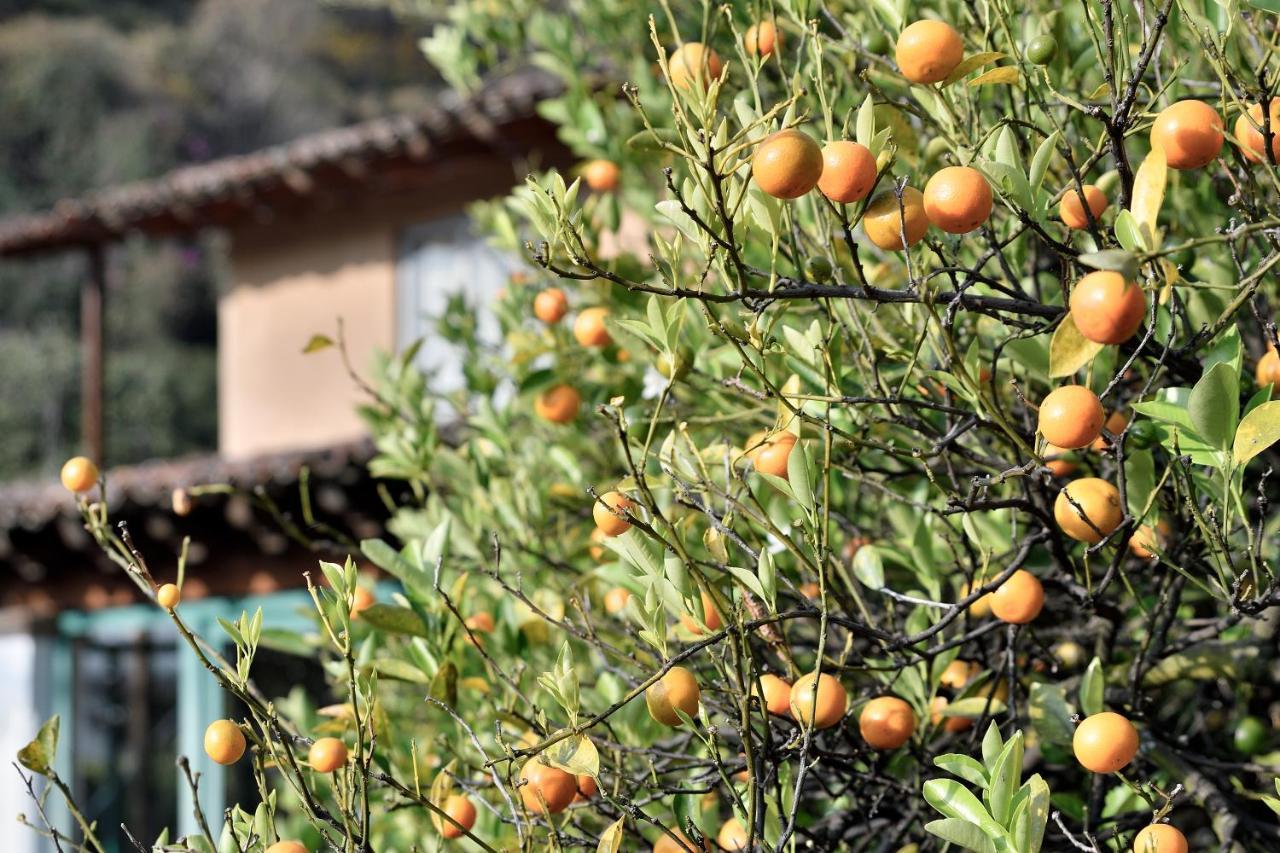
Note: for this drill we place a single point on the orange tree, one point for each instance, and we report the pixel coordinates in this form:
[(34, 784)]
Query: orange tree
[(878, 453)]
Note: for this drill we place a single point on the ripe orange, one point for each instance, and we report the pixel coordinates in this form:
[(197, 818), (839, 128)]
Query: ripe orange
[(558, 404), (595, 549), (694, 62), (1019, 599), (884, 221), (460, 809), (958, 673), (550, 305), (787, 164), (589, 328), (168, 596), (1106, 308), (732, 835), (481, 623), (79, 474), (601, 175), (327, 755), (981, 607), (288, 847), (819, 699), (1159, 838), (710, 616), (886, 722), (587, 788), (1071, 208), (1071, 416), (755, 443), (1190, 132), (773, 456), (928, 51), (1059, 465), (810, 590), (1105, 742), (677, 689), (556, 787), (615, 600), (776, 693), (848, 171), (1249, 134), (1268, 371), (958, 199), (607, 520), (761, 39), (951, 724), (361, 599), (1146, 540), (1116, 423), (664, 844), (224, 742), (1099, 501)]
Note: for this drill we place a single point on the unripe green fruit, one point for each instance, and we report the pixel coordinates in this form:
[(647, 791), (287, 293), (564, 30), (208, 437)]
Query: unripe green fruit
[(1143, 434), (1042, 50), (818, 268), (1251, 735)]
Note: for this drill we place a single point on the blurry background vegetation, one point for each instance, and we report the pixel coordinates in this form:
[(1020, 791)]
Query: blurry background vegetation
[(94, 94)]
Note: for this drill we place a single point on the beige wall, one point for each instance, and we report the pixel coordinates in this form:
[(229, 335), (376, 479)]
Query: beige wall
[(295, 279)]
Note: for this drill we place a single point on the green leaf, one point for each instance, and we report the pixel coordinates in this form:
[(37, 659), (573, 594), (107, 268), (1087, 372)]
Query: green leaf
[(1091, 688), (1006, 778), (1214, 405), (800, 476), (992, 744), (400, 670), (1069, 350), (1127, 231), (868, 567), (748, 579), (1028, 829), (289, 642), (1259, 430), (1116, 260), (1004, 74), (1050, 715), (38, 755), (1207, 663), (961, 833), (955, 800), (1272, 6), (575, 754), (1040, 161), (444, 686), (394, 619), (317, 343), (964, 766), (1140, 480)]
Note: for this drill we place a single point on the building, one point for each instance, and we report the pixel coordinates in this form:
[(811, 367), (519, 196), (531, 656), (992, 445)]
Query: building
[(363, 224)]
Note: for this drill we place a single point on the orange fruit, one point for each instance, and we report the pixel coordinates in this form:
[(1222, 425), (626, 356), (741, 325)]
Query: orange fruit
[(168, 596), (461, 810), (601, 175), (755, 443), (1159, 838), (1249, 133), (819, 699), (773, 456), (848, 171), (664, 843), (558, 404), (884, 221), (1099, 501), (1147, 539), (1116, 423), (958, 673), (981, 607), (1056, 461), (1268, 371), (361, 599), (615, 600), (928, 51), (710, 616), (810, 590), (589, 329), (761, 39), (550, 305), (732, 835), (694, 62), (79, 474), (481, 623), (1105, 742), (587, 788), (556, 787), (224, 742), (1071, 416), (958, 199), (1106, 308), (787, 164), (595, 549), (677, 689), (1071, 208), (327, 755), (288, 847), (886, 722), (606, 518), (951, 724), (1190, 132), (1019, 599), (776, 693)]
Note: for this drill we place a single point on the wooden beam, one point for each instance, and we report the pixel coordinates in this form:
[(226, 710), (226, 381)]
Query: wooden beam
[(92, 302)]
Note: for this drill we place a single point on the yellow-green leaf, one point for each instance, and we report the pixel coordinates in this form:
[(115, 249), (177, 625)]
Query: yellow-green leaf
[(1259, 430), (38, 755), (1003, 74), (1099, 93), (971, 63), (611, 839), (317, 343), (1069, 350), (575, 754), (1148, 195)]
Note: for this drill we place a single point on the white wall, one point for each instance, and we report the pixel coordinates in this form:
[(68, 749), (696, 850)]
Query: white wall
[(18, 662)]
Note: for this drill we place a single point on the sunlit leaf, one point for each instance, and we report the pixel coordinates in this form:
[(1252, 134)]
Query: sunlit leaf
[(1003, 74), (1148, 194), (1259, 430), (1069, 350)]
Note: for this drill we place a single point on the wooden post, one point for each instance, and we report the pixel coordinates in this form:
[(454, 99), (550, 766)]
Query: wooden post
[(92, 301)]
